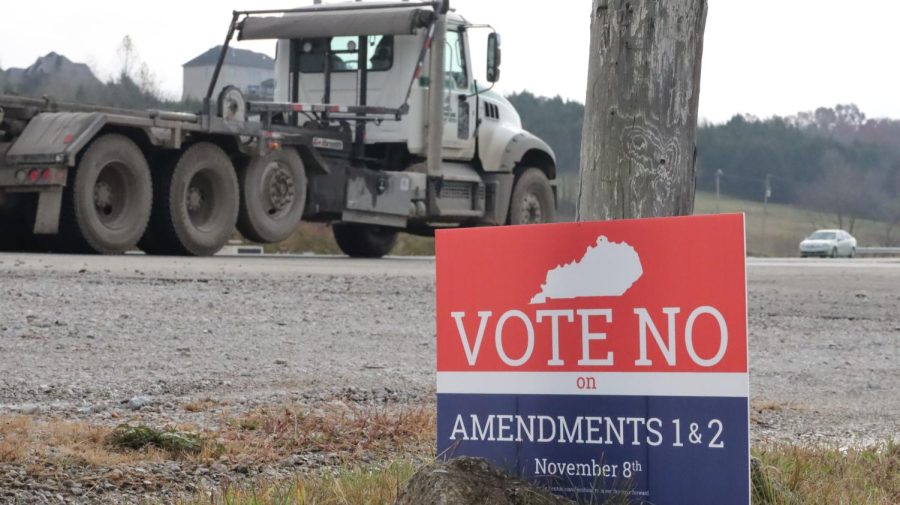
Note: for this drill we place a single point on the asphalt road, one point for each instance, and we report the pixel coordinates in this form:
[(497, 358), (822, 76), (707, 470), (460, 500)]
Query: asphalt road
[(82, 335)]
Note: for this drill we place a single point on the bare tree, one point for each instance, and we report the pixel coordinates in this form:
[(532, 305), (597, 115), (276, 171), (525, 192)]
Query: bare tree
[(127, 53), (841, 191), (888, 203), (638, 143)]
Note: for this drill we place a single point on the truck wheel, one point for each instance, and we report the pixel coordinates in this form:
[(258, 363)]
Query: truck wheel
[(106, 205), (196, 206), (364, 241), (532, 199), (273, 196)]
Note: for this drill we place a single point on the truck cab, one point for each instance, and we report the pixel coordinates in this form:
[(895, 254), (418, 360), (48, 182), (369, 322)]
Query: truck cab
[(484, 147)]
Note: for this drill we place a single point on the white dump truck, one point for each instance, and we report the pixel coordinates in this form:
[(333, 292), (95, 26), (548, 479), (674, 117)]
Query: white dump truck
[(378, 127)]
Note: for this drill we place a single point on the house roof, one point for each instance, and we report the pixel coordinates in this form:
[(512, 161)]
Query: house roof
[(235, 58)]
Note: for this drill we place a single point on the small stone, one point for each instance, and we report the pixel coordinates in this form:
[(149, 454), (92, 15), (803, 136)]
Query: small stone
[(28, 409), (139, 402), (281, 362)]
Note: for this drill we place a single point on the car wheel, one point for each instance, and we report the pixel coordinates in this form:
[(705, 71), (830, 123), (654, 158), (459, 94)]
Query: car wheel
[(834, 252), (852, 253)]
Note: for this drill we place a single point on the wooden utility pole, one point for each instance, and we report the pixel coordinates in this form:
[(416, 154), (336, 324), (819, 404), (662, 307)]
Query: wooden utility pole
[(640, 124)]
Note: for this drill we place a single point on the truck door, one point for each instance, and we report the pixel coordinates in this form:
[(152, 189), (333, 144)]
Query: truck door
[(459, 109)]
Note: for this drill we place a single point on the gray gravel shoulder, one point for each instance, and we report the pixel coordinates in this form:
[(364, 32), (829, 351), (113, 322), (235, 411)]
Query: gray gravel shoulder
[(84, 336)]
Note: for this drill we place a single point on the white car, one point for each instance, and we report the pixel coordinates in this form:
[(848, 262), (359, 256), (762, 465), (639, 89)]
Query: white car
[(829, 243)]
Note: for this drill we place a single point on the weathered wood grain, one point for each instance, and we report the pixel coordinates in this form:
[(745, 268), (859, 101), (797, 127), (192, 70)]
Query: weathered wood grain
[(637, 154)]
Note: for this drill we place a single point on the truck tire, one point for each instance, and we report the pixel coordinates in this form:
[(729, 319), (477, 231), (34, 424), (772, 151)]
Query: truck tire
[(273, 196), (532, 199), (364, 241), (196, 204), (106, 204)]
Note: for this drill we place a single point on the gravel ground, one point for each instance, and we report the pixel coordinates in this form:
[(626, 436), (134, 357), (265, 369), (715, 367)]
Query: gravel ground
[(96, 339)]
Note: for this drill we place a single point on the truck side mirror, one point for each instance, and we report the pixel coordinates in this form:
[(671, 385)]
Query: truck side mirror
[(493, 57)]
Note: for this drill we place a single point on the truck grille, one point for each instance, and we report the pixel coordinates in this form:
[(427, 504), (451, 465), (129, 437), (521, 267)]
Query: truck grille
[(456, 190)]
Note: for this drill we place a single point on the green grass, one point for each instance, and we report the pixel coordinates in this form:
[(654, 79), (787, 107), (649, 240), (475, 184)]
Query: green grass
[(777, 230), (772, 230), (126, 436), (786, 475), (794, 475), (378, 450), (355, 486)]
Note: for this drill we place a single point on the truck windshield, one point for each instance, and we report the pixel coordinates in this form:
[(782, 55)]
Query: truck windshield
[(344, 55)]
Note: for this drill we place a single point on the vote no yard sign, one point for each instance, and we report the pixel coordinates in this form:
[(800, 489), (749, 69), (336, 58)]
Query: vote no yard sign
[(599, 359)]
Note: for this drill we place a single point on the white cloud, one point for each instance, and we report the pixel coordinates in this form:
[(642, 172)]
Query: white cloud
[(606, 269)]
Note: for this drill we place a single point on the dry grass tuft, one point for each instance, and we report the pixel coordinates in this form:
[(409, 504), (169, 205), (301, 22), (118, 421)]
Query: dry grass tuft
[(763, 405), (346, 431), (792, 475), (203, 405), (13, 438), (55, 442), (345, 434), (358, 486)]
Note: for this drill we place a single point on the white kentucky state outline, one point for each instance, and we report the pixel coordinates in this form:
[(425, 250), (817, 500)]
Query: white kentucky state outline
[(607, 269)]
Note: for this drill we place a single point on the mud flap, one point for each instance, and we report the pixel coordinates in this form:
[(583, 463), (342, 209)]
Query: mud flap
[(46, 222)]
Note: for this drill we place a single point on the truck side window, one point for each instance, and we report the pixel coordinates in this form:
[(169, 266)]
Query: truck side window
[(345, 54), (455, 60)]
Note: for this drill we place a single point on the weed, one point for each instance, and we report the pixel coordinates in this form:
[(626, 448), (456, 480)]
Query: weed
[(375, 485), (139, 437)]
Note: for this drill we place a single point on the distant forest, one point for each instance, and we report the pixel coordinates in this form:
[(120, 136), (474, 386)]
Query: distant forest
[(832, 159)]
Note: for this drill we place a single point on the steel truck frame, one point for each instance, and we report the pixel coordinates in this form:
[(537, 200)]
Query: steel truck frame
[(85, 178)]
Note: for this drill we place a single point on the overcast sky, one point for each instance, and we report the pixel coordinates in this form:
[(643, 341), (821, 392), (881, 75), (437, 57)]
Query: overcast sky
[(762, 57)]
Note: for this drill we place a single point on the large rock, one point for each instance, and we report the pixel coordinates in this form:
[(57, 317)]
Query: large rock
[(471, 481)]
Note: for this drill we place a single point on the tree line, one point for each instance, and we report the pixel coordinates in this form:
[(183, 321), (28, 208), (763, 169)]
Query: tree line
[(833, 159)]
